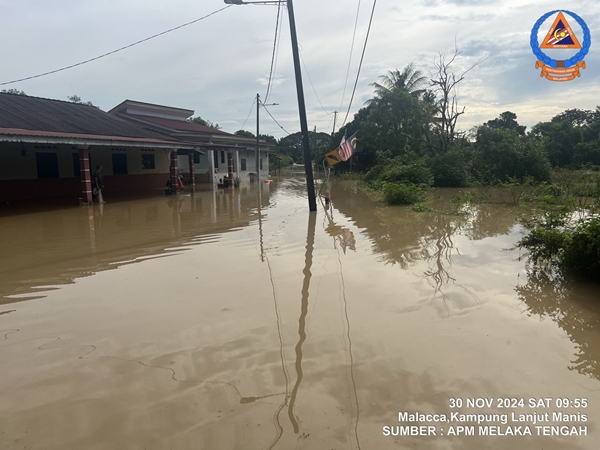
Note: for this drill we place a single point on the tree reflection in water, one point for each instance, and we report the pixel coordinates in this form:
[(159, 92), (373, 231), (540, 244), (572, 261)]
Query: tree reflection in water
[(440, 250), (404, 237), (574, 307)]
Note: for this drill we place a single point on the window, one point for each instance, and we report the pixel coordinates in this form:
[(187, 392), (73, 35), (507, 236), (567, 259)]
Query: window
[(215, 160), (243, 162), (196, 158), (222, 157), (47, 165), (147, 162), (76, 166), (261, 164), (119, 162)]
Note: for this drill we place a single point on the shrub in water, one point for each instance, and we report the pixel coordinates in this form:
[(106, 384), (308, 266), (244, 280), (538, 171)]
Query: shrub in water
[(575, 250), (401, 194)]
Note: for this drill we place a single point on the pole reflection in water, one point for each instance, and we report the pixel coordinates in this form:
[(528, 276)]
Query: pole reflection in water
[(259, 200), (310, 242), (346, 238)]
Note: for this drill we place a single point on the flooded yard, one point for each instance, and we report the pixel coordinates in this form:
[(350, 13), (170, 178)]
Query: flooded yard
[(237, 320)]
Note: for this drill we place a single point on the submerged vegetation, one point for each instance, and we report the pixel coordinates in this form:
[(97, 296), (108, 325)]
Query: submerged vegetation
[(408, 142)]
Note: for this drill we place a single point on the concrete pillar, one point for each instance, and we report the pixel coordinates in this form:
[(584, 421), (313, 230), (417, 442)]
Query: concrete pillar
[(174, 172), (230, 167), (192, 173), (85, 175)]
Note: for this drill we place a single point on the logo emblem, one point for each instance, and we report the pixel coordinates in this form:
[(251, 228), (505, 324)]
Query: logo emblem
[(560, 36)]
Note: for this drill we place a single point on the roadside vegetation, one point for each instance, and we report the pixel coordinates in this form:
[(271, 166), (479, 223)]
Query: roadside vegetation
[(409, 144)]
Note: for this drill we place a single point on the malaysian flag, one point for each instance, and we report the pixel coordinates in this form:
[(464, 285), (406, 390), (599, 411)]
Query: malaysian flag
[(347, 147)]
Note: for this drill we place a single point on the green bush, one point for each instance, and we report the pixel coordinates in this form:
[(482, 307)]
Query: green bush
[(449, 170), (582, 250), (575, 249), (416, 173), (401, 194)]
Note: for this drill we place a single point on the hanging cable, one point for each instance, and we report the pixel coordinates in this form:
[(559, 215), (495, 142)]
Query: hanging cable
[(274, 120), (311, 84), (275, 47), (248, 116), (361, 61), (117, 50), (350, 60)]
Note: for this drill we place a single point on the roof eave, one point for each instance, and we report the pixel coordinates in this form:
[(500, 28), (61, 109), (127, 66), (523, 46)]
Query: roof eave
[(93, 141)]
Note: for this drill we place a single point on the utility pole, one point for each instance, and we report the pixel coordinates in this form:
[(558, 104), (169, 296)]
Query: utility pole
[(257, 139), (335, 113), (310, 182)]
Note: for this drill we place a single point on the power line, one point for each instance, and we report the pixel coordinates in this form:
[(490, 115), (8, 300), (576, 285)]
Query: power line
[(351, 52), (313, 87), (275, 47), (361, 61), (278, 43), (274, 120), (117, 50), (247, 117)]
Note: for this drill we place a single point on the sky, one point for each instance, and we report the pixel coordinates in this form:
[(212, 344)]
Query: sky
[(218, 65)]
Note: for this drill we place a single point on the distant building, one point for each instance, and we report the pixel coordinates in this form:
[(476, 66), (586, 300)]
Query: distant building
[(50, 148), (219, 148)]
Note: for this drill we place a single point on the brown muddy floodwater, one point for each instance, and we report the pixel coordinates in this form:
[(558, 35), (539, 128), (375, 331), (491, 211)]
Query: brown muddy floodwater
[(206, 322)]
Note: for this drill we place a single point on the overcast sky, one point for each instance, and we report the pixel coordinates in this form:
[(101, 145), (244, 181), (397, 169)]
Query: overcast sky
[(217, 65)]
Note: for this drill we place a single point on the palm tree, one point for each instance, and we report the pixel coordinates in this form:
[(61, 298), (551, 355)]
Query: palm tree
[(409, 80)]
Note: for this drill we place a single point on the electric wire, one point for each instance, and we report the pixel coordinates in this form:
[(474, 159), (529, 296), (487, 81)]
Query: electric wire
[(275, 47), (361, 61), (117, 50), (274, 120), (350, 60), (311, 85), (248, 116)]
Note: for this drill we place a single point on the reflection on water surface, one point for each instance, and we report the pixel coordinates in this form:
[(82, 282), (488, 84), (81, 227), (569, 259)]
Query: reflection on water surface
[(235, 319)]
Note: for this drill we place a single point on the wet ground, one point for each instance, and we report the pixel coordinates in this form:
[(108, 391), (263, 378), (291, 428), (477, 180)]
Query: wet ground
[(207, 322)]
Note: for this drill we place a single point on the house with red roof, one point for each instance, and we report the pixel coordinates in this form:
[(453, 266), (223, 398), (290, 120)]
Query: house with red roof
[(50, 148), (223, 154)]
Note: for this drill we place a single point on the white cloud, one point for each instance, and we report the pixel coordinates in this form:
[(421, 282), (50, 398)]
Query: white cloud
[(217, 66)]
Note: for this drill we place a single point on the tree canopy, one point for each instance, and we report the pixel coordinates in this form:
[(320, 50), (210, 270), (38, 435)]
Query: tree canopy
[(207, 123), (13, 91), (77, 99)]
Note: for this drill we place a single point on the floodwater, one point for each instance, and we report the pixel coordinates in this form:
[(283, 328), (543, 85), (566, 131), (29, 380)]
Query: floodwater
[(206, 321)]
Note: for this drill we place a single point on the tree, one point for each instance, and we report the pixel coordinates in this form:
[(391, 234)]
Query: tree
[(396, 123), (244, 133), (502, 154), (292, 145), (444, 82), (77, 99), (264, 137), (207, 123), (409, 80), (560, 140), (13, 91), (268, 138), (508, 121), (577, 117)]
